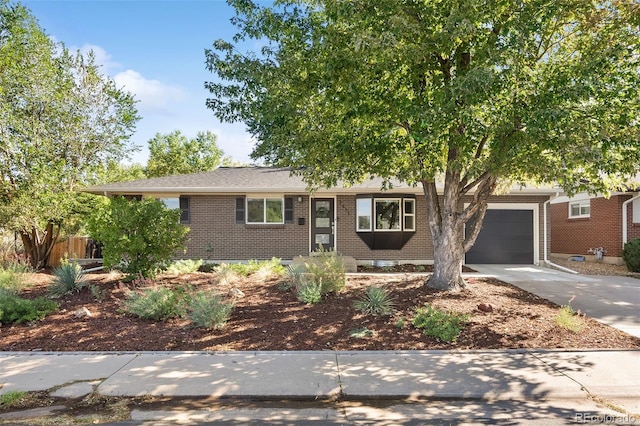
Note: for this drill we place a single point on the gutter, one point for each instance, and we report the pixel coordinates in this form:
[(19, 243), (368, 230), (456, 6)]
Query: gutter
[(625, 219), (546, 258)]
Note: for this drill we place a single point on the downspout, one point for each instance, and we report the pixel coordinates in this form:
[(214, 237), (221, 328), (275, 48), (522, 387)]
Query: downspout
[(546, 258), (625, 219)]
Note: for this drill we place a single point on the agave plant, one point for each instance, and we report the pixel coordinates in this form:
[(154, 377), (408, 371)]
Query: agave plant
[(376, 301), (68, 277)]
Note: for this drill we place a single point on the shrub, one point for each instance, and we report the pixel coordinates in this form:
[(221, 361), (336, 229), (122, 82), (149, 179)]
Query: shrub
[(226, 274), (327, 269), (155, 303), (14, 309), (11, 281), (631, 255), (569, 319), (444, 326), (185, 266), (269, 269), (137, 236), (309, 292), (376, 301), (68, 278), (209, 310)]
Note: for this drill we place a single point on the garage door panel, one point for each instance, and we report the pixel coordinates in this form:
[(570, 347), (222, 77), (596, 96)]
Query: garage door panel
[(506, 237)]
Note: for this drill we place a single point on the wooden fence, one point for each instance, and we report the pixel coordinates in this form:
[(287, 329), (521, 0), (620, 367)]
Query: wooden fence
[(71, 248)]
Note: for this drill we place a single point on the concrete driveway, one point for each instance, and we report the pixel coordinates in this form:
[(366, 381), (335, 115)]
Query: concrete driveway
[(613, 300)]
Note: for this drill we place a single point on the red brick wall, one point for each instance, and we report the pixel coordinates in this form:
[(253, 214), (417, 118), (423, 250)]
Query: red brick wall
[(213, 223), (602, 229), (633, 229)]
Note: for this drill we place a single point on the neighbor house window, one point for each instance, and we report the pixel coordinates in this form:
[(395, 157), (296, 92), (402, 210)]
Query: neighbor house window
[(181, 203), (636, 210), (578, 209), (385, 214), (265, 210)]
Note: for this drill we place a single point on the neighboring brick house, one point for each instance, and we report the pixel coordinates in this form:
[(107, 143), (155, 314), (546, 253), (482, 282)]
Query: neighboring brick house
[(583, 224), (237, 214)]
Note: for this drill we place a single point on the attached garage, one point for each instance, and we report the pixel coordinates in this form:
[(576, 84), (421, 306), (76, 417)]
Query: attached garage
[(508, 236)]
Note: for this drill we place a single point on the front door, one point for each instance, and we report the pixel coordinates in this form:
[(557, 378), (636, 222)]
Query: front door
[(322, 224)]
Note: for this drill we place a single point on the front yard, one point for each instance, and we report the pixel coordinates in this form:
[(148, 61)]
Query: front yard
[(268, 315)]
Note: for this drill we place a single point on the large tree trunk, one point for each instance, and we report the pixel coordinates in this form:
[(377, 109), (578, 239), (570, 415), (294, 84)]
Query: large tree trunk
[(38, 246), (447, 218)]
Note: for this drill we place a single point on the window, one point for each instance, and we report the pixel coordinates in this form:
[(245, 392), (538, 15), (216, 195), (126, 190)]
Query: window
[(181, 203), (265, 210), (409, 214), (363, 214), (636, 210), (579, 209), (385, 214)]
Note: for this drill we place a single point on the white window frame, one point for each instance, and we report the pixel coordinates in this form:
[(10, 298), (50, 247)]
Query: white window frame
[(405, 214), (264, 209), (366, 213), (635, 210), (581, 204)]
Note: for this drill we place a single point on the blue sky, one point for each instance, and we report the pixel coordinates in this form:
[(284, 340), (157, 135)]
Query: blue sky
[(155, 50)]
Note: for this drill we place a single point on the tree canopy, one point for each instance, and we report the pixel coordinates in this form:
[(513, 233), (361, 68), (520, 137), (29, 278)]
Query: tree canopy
[(59, 119), (174, 153), (459, 94)]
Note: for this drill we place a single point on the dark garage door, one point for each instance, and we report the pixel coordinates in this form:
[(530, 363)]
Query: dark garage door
[(506, 237)]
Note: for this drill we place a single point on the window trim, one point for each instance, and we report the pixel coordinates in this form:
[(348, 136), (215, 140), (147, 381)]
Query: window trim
[(635, 211), (372, 199), (581, 204), (405, 214), (185, 213), (264, 209), (370, 202)]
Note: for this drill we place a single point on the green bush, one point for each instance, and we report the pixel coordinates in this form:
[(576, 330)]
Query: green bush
[(67, 278), (14, 309), (631, 255), (376, 301), (138, 237), (327, 269), (185, 266), (11, 281), (569, 319), (156, 304), (444, 326), (309, 292), (209, 310)]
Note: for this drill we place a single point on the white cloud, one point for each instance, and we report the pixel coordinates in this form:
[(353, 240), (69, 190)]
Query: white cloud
[(102, 57), (154, 95)]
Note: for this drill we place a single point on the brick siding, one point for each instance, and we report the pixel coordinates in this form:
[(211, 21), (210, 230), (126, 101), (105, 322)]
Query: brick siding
[(603, 228), (633, 229), (213, 223)]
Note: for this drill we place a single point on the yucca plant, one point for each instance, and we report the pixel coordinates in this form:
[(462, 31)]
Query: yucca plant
[(68, 278), (376, 301)]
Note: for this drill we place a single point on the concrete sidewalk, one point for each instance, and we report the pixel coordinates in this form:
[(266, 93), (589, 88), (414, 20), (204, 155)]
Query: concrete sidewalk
[(612, 300), (611, 377)]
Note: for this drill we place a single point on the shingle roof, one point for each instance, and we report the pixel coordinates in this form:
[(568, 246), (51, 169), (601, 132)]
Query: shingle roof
[(250, 180), (230, 180)]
